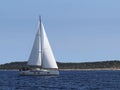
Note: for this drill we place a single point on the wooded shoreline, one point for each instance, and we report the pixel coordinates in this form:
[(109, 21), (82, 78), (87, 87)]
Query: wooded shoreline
[(103, 65)]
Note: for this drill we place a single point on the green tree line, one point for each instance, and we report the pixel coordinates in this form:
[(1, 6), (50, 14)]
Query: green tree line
[(86, 65)]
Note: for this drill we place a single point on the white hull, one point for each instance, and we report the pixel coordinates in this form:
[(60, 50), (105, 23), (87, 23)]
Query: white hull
[(39, 73)]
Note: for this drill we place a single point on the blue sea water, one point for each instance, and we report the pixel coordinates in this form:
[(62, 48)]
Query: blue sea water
[(67, 80)]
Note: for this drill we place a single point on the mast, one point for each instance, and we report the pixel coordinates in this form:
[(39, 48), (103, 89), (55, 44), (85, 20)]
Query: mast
[(40, 28)]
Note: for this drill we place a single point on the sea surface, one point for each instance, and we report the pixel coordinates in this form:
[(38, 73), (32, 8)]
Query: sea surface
[(67, 80)]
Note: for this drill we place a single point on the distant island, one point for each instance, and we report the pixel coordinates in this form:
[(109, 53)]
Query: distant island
[(102, 65)]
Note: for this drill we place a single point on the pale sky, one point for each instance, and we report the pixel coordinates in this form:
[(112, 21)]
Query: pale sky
[(78, 30)]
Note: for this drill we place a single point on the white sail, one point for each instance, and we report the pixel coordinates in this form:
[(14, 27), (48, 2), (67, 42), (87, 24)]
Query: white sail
[(48, 60), (35, 56)]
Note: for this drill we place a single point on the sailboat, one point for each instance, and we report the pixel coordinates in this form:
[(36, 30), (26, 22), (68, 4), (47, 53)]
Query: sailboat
[(41, 60)]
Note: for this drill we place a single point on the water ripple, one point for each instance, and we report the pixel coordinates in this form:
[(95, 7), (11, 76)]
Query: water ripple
[(67, 80)]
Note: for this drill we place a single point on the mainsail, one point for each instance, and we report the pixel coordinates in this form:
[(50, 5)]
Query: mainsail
[(35, 56), (41, 54)]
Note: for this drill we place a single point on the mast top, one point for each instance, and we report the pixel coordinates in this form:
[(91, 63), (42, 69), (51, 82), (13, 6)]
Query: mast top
[(40, 19)]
